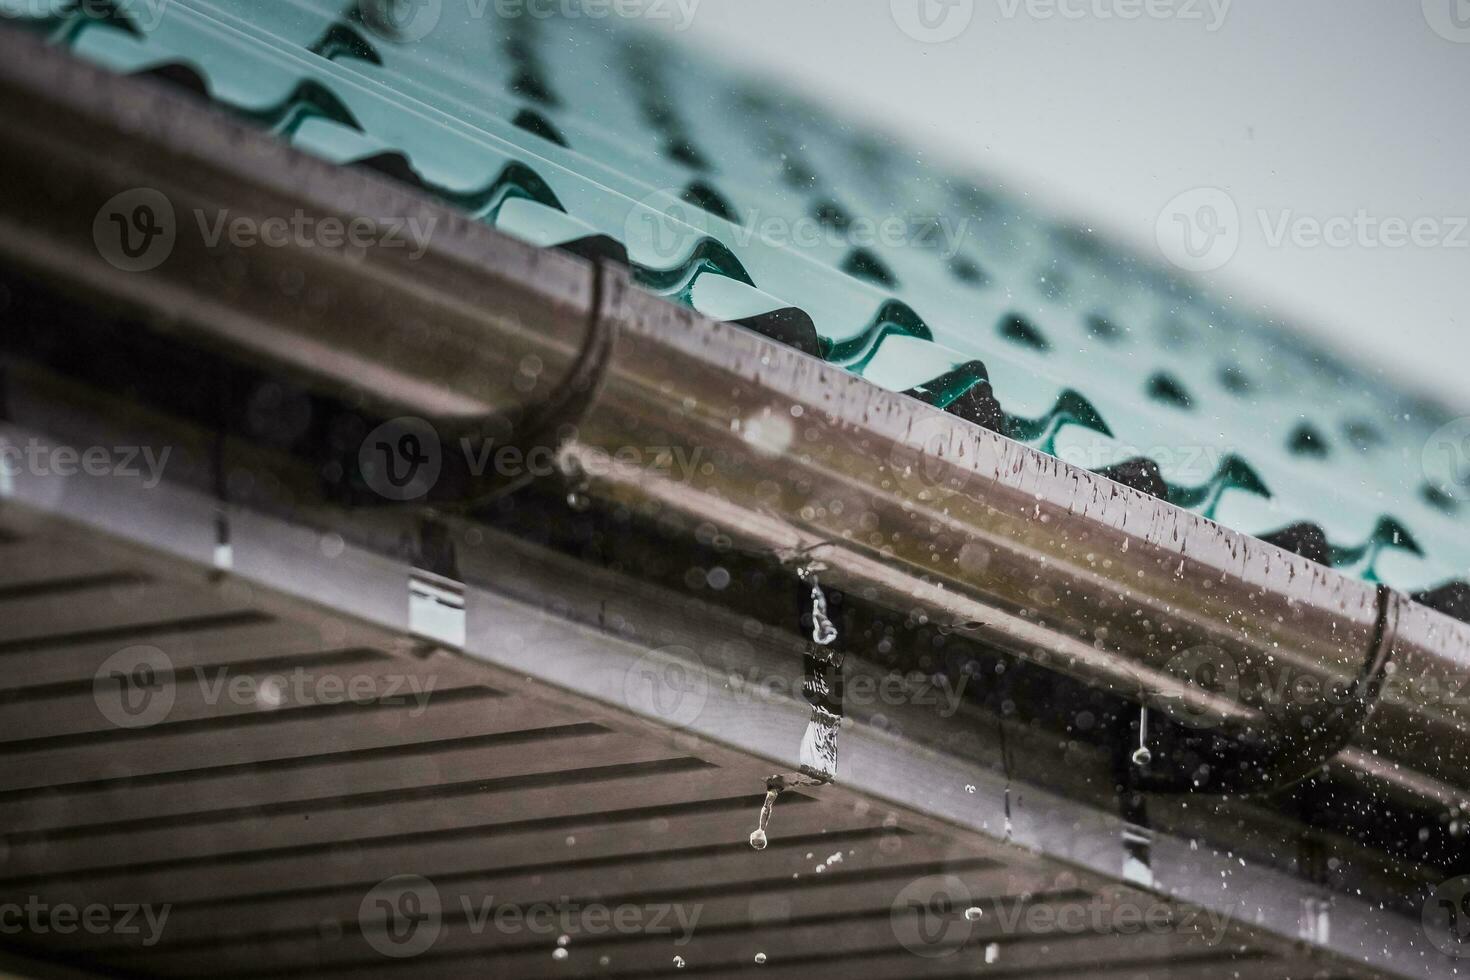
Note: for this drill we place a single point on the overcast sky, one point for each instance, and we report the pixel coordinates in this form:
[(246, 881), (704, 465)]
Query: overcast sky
[(1300, 111)]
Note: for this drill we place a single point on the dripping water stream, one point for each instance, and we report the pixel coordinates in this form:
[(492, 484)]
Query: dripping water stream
[(822, 687)]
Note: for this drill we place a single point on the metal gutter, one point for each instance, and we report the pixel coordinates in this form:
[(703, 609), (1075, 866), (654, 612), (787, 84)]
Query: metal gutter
[(904, 505), (922, 512)]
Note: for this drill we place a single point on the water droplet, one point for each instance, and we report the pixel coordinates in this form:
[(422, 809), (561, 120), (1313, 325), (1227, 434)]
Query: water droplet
[(992, 952), (1142, 756), (760, 958), (558, 954), (269, 694), (678, 962), (578, 501), (774, 785), (970, 788), (823, 632), (563, 939), (973, 913)]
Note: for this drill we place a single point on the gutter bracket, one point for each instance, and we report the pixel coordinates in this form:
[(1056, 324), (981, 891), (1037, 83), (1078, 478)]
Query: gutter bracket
[(1259, 763), (536, 430)]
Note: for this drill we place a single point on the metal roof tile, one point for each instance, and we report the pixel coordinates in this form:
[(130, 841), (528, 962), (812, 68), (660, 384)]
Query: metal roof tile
[(755, 207)]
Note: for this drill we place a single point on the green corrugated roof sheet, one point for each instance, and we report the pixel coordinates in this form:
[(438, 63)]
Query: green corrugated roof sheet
[(593, 136)]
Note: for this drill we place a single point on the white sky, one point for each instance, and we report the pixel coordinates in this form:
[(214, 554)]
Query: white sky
[(1323, 108)]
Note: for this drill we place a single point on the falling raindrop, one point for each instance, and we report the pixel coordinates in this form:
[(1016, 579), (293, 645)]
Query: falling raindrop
[(973, 913), (558, 954), (1141, 755), (760, 958), (578, 501), (678, 962), (563, 939), (970, 788), (818, 751), (992, 952), (758, 836), (823, 632)]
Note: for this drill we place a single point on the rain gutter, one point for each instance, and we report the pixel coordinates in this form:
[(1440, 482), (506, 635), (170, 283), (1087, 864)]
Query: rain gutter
[(488, 339)]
